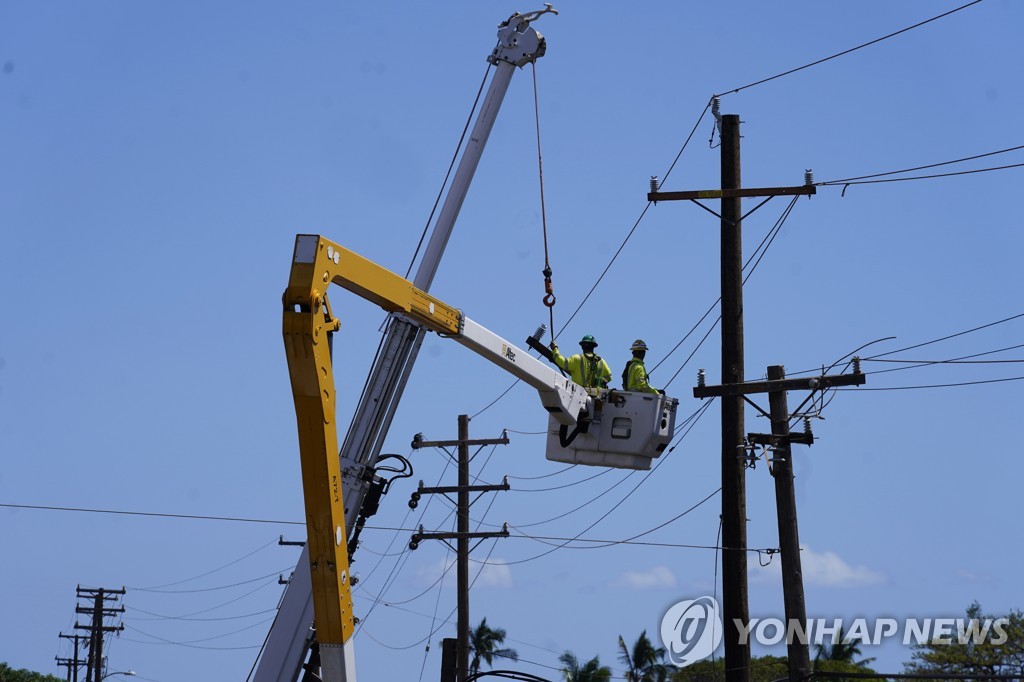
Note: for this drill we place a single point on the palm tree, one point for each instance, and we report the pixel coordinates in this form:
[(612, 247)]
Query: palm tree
[(485, 643), (591, 671), (843, 651), (644, 662)]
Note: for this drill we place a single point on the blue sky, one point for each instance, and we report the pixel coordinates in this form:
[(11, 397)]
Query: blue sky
[(157, 161)]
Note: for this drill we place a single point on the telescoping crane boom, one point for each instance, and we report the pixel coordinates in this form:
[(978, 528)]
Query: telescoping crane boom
[(609, 428)]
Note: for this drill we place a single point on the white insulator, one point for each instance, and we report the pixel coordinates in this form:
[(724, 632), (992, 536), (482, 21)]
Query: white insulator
[(808, 176), (654, 183)]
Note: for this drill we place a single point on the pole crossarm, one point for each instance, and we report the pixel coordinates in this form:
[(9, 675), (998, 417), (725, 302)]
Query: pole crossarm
[(444, 489), (481, 535), (775, 439), (802, 384), (418, 443), (745, 192)]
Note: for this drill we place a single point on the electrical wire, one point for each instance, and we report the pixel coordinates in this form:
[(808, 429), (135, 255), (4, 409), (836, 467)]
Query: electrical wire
[(448, 568), (852, 49), (663, 459), (484, 563), (562, 487), (161, 640), (929, 177), (220, 568), (911, 388), (755, 257), (154, 514), (211, 589), (947, 337), (632, 229), (222, 605), (844, 181), (451, 165), (158, 616)]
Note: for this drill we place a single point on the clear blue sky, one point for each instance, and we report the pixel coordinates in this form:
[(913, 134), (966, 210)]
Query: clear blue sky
[(156, 161)]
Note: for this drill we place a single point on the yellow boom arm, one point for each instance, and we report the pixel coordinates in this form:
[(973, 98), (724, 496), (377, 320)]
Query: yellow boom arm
[(317, 262)]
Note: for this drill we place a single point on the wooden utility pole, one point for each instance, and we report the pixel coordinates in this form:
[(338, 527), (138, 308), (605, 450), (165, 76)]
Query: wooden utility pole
[(734, 496), (463, 548), (99, 610), (72, 664), (799, 657), (734, 492), (782, 469), (463, 534)]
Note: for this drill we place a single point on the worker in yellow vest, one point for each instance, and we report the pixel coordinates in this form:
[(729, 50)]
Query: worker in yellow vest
[(634, 376), (588, 369)]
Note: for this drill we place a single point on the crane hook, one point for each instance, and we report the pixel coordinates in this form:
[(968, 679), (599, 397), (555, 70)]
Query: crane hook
[(549, 292)]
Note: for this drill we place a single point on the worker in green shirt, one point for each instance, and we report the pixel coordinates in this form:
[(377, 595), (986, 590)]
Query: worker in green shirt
[(588, 369), (634, 376)]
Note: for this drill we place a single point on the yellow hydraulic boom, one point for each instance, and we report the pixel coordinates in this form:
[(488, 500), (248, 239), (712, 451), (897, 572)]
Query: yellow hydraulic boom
[(317, 263)]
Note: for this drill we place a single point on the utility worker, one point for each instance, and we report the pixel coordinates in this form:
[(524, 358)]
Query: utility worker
[(634, 376), (588, 369)]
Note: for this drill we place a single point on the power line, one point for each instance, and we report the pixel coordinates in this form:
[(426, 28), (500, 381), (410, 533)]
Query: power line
[(946, 338), (917, 168), (926, 177), (210, 589), (154, 514), (910, 388), (222, 605), (158, 616), (755, 257), (617, 504), (852, 49), (220, 568), (643, 213)]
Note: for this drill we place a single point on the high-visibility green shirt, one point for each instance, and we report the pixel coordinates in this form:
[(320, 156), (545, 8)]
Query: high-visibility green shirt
[(588, 370), (635, 377)]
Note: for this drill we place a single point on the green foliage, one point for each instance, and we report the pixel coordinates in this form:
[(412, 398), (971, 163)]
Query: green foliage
[(969, 658), (842, 651), (591, 671), (9, 674), (485, 644), (762, 669), (644, 662)]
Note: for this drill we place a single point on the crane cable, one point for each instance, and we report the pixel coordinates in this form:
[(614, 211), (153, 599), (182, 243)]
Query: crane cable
[(549, 292)]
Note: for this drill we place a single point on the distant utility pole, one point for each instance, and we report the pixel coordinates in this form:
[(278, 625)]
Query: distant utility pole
[(72, 664), (780, 441), (463, 536), (98, 611), (735, 610)]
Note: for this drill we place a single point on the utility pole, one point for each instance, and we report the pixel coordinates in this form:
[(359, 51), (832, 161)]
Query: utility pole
[(99, 610), (72, 664), (463, 534), (781, 440), (735, 611), (799, 657), (734, 491)]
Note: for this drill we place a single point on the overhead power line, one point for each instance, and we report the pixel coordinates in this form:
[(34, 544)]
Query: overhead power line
[(911, 388), (923, 177), (947, 337), (852, 49), (842, 181), (122, 512)]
